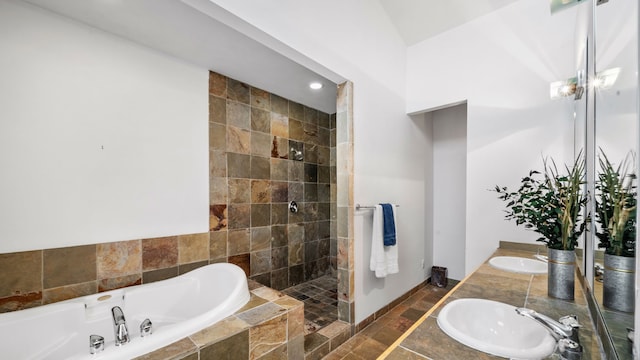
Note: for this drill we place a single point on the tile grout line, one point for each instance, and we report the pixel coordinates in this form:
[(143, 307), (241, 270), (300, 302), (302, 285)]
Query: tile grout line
[(413, 352), (526, 298)]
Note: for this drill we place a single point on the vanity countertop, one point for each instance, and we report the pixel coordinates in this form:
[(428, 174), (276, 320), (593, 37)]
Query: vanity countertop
[(521, 290)]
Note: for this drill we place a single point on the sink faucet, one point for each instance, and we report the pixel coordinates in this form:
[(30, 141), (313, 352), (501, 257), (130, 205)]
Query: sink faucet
[(565, 331), (120, 326), (565, 328)]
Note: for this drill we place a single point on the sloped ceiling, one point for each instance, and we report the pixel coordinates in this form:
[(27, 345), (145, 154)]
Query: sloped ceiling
[(417, 20), (182, 31)]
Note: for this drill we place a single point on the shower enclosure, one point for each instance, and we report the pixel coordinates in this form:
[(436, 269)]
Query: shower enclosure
[(266, 152)]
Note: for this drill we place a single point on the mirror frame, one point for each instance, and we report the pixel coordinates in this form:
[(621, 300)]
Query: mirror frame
[(590, 243)]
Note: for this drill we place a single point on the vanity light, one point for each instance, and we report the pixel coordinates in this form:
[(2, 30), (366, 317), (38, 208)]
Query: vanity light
[(315, 85), (606, 78), (573, 86), (560, 89)]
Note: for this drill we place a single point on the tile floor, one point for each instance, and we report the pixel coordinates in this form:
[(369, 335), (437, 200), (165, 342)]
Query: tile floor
[(384, 331), (320, 297)]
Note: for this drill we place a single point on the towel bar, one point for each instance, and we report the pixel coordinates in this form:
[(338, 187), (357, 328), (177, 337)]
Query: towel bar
[(358, 206)]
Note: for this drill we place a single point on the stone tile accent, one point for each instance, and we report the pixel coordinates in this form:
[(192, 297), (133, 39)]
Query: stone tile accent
[(267, 336), (260, 262), (260, 144), (69, 265), (119, 259), (243, 261), (218, 217), (160, 274), (193, 248), (260, 120), (22, 273), (119, 282), (217, 137), (217, 163), (260, 167), (219, 331), (260, 191), (279, 105), (172, 351), (260, 99), (159, 253), (239, 216), (238, 140), (260, 215), (218, 241), (238, 165), (238, 115), (217, 84), (238, 91), (217, 110), (69, 292), (279, 125)]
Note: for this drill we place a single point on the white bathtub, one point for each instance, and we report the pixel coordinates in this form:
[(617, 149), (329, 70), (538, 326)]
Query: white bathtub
[(177, 307)]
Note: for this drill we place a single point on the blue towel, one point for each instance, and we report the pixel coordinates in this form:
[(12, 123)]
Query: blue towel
[(389, 225)]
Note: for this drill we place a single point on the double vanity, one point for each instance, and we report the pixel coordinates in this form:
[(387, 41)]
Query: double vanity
[(488, 315)]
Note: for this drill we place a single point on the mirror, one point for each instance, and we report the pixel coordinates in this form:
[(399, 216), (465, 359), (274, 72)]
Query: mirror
[(615, 88)]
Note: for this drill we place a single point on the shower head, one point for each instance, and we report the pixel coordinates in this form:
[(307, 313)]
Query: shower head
[(297, 154)]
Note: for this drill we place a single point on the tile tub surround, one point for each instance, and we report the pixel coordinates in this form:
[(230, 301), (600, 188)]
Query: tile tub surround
[(253, 176), (425, 340), (269, 326), (34, 278)]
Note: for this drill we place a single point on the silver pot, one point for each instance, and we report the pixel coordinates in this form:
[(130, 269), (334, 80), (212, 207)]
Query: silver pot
[(561, 282), (619, 282)]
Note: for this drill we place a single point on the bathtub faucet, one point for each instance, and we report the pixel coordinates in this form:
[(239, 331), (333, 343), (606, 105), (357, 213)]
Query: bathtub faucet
[(120, 326)]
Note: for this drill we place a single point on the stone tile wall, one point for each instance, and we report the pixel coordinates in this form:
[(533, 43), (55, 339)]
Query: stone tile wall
[(254, 174), (345, 204), (252, 178), (40, 277)]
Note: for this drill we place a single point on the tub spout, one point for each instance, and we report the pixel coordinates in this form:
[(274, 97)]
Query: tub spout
[(567, 328), (120, 326)]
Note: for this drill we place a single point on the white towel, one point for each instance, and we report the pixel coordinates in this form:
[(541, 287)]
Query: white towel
[(384, 259)]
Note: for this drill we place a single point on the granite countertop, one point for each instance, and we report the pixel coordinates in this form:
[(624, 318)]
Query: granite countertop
[(521, 290)]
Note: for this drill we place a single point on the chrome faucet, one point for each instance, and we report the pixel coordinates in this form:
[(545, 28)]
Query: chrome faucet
[(565, 328), (565, 331), (120, 326)]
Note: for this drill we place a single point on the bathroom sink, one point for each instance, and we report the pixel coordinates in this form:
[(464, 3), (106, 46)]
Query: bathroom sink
[(519, 265), (495, 328)]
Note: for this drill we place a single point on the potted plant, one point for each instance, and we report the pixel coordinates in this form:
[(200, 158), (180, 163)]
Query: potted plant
[(550, 203), (615, 214)]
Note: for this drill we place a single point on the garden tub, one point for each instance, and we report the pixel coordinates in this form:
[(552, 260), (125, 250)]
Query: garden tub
[(176, 307)]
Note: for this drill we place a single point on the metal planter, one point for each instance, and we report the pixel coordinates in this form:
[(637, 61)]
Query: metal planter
[(619, 282), (561, 281)]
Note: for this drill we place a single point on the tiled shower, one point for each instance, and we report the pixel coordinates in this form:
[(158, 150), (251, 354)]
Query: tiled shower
[(255, 142)]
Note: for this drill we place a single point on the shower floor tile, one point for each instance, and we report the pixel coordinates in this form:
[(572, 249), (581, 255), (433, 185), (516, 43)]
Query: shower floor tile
[(320, 297)]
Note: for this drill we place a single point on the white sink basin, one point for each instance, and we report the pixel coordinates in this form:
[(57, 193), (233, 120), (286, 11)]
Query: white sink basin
[(495, 328), (518, 265)]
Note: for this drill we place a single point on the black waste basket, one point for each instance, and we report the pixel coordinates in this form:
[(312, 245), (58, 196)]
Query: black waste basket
[(439, 276)]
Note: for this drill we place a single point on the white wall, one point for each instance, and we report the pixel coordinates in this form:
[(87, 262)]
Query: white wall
[(449, 189), (100, 139), (356, 40), (502, 64)]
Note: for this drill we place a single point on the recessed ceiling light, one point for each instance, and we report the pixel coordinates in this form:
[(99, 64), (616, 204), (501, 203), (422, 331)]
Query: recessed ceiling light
[(315, 85)]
